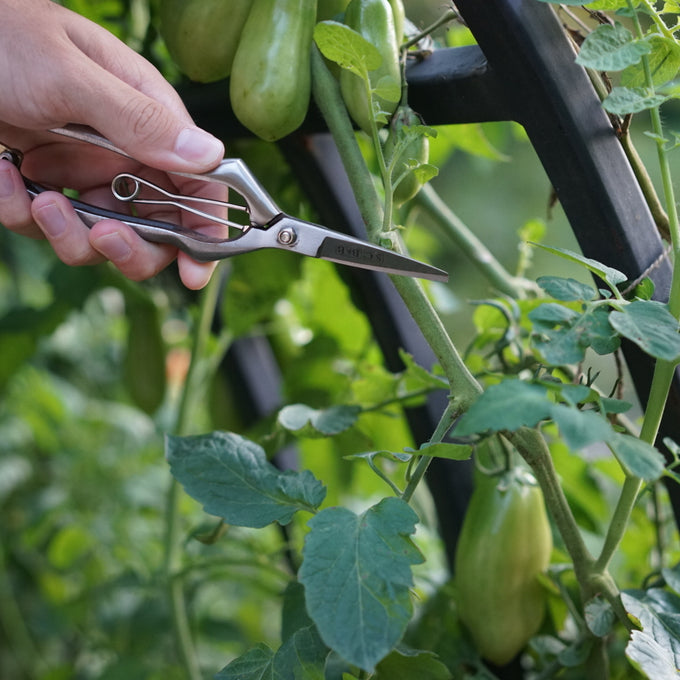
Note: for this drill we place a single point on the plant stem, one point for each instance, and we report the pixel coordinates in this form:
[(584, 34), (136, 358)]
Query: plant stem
[(445, 423), (329, 100), (471, 246), (663, 370), (172, 538)]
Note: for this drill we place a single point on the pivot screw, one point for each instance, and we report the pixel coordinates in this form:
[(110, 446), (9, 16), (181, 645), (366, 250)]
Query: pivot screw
[(287, 236)]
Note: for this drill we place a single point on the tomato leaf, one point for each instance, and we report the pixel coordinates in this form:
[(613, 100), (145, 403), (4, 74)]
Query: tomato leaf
[(599, 616), (346, 47), (655, 650), (566, 289), (255, 664), (300, 657), (651, 326), (580, 428), (411, 665), (663, 60), (638, 457), (356, 571), (611, 48), (624, 100), (508, 405), (232, 478), (609, 274), (308, 422)]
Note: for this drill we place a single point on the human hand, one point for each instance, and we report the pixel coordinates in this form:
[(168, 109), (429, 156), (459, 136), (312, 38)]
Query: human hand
[(57, 67)]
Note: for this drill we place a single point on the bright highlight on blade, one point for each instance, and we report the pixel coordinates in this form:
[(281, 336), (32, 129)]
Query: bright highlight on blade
[(368, 256)]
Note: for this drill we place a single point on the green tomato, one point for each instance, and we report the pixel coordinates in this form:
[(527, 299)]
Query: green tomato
[(374, 20), (202, 35), (330, 9), (413, 150), (271, 76), (505, 543), (144, 361), (399, 19)]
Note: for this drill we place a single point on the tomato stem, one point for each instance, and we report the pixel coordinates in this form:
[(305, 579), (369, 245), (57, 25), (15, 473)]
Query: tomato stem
[(188, 399)]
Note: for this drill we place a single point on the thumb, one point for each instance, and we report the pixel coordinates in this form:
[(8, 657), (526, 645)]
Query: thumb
[(145, 128)]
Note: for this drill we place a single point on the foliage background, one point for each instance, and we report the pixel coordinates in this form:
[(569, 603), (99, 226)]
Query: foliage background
[(83, 483)]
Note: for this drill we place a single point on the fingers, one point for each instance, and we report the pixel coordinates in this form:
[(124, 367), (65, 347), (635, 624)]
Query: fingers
[(15, 203)]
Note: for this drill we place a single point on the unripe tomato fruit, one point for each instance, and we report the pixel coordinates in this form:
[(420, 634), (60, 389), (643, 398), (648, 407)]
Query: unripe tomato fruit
[(505, 543), (202, 35), (271, 76), (374, 20)]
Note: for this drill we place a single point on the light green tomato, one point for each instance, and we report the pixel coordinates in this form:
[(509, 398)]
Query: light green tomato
[(202, 35)]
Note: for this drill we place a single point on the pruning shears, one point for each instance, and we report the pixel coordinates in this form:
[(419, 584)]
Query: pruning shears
[(266, 225)]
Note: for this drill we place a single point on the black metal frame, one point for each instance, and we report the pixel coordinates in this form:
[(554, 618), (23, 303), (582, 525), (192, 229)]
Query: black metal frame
[(523, 69)]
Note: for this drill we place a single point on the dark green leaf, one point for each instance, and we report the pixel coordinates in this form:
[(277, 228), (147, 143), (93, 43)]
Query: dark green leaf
[(638, 457), (308, 422), (294, 614), (599, 616), (566, 289), (300, 657), (611, 48), (357, 575), (609, 274), (672, 577), (411, 665), (508, 405), (232, 478), (651, 326), (564, 335), (256, 664)]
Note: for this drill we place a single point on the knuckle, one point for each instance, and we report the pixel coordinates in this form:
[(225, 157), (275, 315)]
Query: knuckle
[(144, 118)]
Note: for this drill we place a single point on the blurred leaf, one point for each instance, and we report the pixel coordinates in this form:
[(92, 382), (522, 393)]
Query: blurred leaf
[(256, 282), (609, 274), (624, 100), (651, 326), (357, 576), (639, 458), (599, 616), (411, 665), (308, 422), (611, 48), (580, 428), (144, 361), (232, 478), (294, 614), (256, 664), (672, 577)]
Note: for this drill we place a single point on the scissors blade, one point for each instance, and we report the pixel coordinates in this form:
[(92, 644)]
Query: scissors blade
[(317, 241)]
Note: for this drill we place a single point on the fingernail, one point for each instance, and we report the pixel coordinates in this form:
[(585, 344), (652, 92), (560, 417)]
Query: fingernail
[(51, 220), (113, 247), (197, 146), (6, 182)]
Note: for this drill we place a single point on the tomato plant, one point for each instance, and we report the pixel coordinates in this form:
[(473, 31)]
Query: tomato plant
[(152, 528)]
